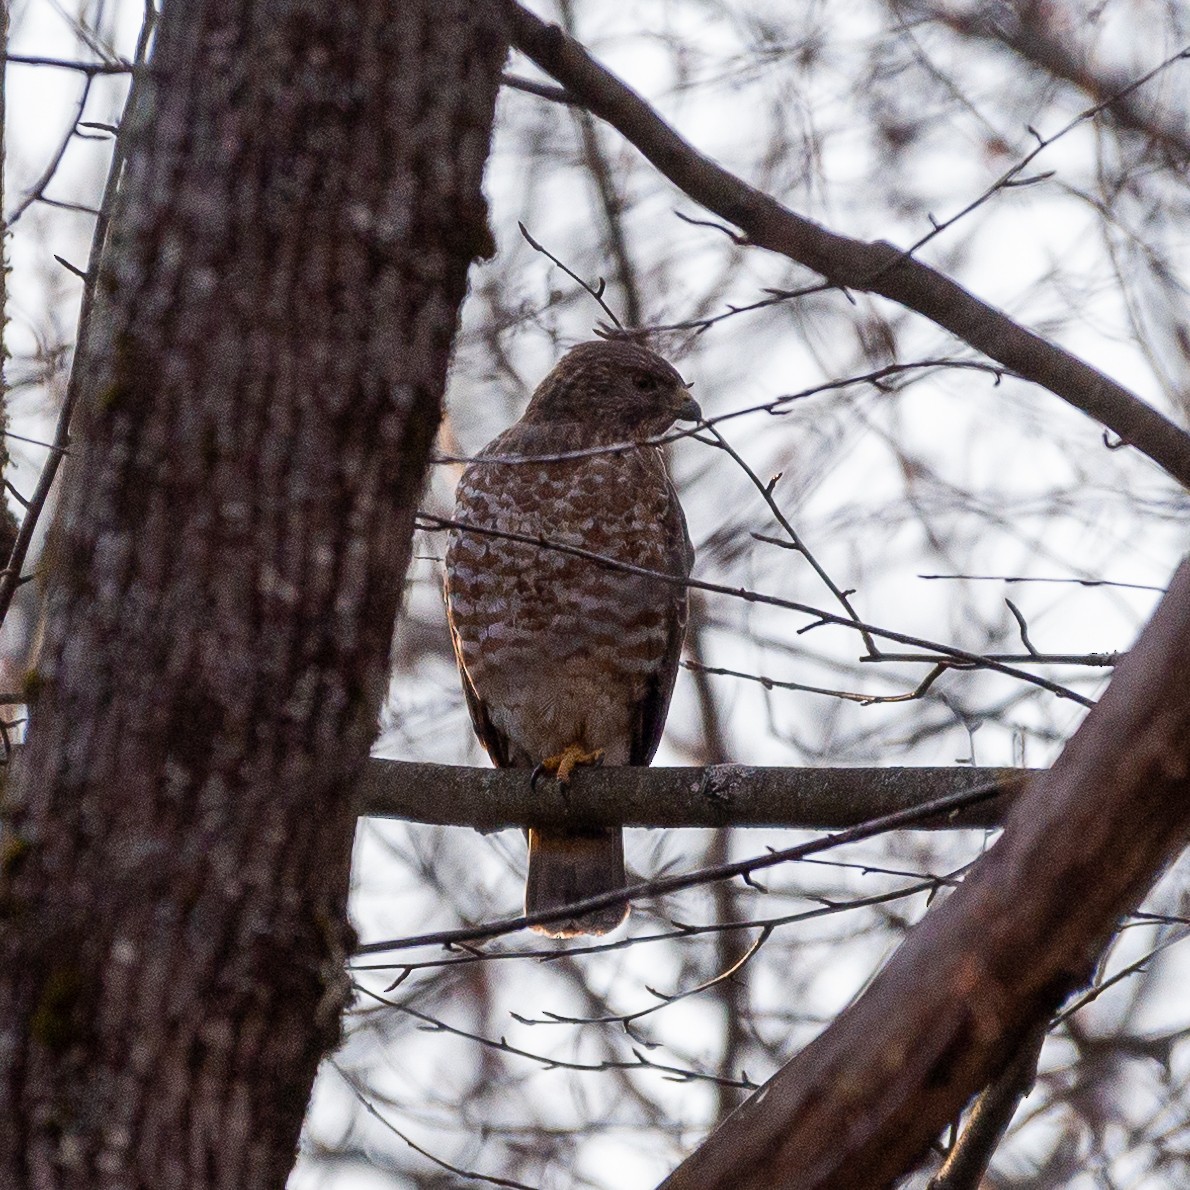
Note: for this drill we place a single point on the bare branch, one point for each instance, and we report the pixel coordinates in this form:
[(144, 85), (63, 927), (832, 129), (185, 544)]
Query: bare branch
[(877, 267), (468, 1175), (718, 795), (1023, 578), (795, 539), (47, 176), (1029, 34), (939, 807), (1003, 950), (962, 656), (1093, 660), (87, 68), (1014, 177), (775, 406), (541, 90), (10, 577), (681, 930), (639, 1062), (969, 1157), (596, 290)]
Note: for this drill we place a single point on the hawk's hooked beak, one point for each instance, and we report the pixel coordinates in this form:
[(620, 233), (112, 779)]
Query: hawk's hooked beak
[(690, 410)]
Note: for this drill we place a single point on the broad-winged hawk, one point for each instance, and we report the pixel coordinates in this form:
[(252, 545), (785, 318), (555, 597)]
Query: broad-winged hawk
[(563, 660)]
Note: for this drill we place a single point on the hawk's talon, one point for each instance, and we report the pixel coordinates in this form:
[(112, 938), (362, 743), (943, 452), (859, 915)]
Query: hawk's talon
[(561, 766)]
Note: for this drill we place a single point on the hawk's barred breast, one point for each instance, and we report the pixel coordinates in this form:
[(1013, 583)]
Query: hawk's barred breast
[(560, 648)]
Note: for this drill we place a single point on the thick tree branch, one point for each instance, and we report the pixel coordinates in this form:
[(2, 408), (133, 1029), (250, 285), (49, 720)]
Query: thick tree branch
[(718, 795), (877, 267), (1080, 848)]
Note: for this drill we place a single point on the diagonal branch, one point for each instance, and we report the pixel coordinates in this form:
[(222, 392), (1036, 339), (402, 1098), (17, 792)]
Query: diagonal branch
[(428, 521), (877, 267), (1080, 848), (968, 1159), (10, 576)]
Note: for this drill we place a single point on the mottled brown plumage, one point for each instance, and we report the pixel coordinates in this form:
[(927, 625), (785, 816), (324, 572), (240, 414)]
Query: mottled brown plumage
[(557, 652)]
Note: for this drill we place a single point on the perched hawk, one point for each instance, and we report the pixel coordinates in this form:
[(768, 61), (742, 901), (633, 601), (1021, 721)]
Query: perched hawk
[(565, 661)]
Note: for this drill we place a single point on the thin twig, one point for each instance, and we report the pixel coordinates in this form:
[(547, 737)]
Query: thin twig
[(541, 90), (1012, 177), (681, 931), (596, 291), (775, 406), (434, 1024), (795, 539), (1026, 578), (468, 1175), (1023, 626), (627, 1019), (47, 175), (864, 700), (88, 68), (1095, 660), (1093, 993), (10, 577), (428, 520)]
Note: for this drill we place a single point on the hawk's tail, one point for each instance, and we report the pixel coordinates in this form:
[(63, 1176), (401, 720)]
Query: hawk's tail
[(568, 866)]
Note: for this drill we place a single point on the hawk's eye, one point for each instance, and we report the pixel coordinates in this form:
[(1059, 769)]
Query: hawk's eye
[(646, 383)]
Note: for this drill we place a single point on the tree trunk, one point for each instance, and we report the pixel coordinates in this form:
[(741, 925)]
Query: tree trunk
[(264, 378)]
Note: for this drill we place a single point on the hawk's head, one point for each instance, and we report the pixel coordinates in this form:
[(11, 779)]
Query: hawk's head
[(616, 390)]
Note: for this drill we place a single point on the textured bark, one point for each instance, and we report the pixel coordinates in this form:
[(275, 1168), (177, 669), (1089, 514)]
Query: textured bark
[(717, 795), (265, 372), (859, 1105)]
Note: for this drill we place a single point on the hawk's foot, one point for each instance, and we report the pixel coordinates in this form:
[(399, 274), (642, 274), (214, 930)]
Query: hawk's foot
[(565, 762)]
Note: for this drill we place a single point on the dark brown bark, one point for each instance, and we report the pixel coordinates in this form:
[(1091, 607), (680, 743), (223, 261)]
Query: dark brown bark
[(264, 376), (859, 1105), (967, 1162)]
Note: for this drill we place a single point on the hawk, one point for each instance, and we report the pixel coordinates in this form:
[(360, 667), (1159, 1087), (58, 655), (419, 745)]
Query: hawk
[(564, 661)]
